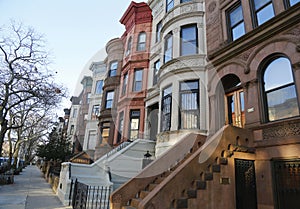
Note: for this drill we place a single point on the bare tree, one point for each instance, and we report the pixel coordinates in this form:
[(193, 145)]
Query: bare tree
[(25, 76)]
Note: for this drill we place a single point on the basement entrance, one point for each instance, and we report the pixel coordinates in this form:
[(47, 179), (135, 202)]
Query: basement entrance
[(245, 183), (286, 178)]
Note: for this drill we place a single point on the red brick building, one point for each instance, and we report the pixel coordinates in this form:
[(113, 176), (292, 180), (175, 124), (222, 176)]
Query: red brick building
[(133, 83)]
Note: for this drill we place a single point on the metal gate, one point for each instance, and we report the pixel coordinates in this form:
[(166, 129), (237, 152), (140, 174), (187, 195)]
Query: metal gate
[(89, 197), (245, 184), (287, 183)]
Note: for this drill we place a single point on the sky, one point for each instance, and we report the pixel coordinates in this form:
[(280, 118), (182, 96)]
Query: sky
[(76, 31)]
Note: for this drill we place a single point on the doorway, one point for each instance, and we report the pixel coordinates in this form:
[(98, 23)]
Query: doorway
[(153, 120)]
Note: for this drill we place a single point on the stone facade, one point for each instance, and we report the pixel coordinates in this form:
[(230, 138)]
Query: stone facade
[(180, 68)]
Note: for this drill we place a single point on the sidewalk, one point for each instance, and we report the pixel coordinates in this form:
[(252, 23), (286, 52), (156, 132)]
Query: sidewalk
[(29, 191)]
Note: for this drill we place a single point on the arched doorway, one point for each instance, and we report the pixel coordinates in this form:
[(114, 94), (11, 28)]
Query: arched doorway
[(234, 100)]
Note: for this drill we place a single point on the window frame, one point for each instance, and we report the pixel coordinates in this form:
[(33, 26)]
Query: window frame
[(184, 1), (254, 12), (169, 5), (141, 45), (287, 4), (113, 71), (197, 111), (166, 115), (230, 27), (155, 71), (158, 31), (131, 117), (184, 42), (124, 84), (135, 81), (95, 113), (264, 65), (97, 90), (128, 46), (111, 100), (167, 37), (120, 127)]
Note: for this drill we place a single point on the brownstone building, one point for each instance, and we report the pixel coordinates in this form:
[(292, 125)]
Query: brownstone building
[(251, 157), (136, 39)]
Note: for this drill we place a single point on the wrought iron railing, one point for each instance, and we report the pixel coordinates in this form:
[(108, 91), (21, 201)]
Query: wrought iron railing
[(84, 196)]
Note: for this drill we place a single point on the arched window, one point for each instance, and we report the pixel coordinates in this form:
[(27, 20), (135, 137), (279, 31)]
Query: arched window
[(129, 43), (141, 42), (279, 90)]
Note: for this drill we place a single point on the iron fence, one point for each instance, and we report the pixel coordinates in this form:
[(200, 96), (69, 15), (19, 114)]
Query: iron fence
[(84, 196)]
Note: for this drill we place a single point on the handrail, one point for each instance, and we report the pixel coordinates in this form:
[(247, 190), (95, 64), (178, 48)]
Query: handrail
[(164, 163)]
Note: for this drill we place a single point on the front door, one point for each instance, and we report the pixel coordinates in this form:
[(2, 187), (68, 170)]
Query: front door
[(245, 183), (235, 108)]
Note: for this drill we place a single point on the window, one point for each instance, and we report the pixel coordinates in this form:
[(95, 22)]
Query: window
[(158, 31), (109, 99), (125, 81), (121, 125), (235, 21), (105, 128), (134, 124), (166, 107), (88, 98), (188, 39), (170, 5), (155, 71), (138, 79), (129, 43), (75, 111), (189, 105), (168, 51), (262, 11), (141, 42), (290, 3), (183, 1), (72, 129), (113, 68), (95, 112), (280, 97), (99, 85)]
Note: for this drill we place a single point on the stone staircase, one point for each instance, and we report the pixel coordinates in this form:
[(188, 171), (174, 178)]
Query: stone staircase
[(203, 178)]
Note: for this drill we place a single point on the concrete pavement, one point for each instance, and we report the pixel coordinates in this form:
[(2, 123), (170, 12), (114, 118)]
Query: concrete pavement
[(29, 191)]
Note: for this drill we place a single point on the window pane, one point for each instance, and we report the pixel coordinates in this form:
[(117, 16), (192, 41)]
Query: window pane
[(125, 80), (158, 31), (189, 85), (99, 86), (265, 14), (189, 101), (188, 40), (293, 2), (182, 1), (156, 69), (168, 48), (170, 4), (260, 3), (282, 103), (236, 16), (278, 73), (238, 31)]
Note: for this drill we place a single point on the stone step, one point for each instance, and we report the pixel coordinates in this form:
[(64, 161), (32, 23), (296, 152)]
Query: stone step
[(200, 185), (151, 187), (216, 168), (181, 203), (192, 193), (135, 202), (208, 176), (143, 194), (159, 179)]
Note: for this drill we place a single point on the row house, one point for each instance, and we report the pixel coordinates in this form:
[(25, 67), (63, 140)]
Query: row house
[(176, 99), (137, 20), (239, 95)]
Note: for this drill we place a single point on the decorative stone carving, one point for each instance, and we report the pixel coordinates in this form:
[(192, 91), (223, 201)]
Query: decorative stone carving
[(212, 6), (157, 8), (294, 31), (281, 131)]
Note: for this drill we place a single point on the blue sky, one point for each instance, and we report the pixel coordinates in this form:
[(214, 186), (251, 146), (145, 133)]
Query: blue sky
[(75, 30)]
